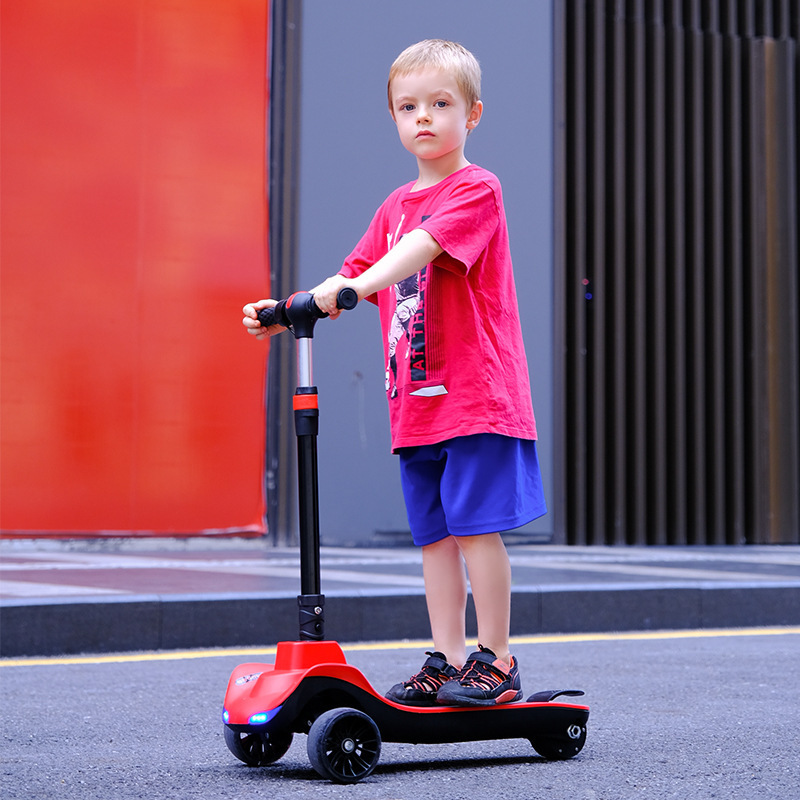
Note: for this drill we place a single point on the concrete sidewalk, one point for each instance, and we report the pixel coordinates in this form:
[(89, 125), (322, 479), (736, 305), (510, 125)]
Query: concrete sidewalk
[(66, 597)]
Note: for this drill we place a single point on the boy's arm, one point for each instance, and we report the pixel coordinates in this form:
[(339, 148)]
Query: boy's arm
[(414, 251)]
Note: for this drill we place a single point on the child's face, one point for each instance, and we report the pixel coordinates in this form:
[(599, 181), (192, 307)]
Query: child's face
[(431, 114)]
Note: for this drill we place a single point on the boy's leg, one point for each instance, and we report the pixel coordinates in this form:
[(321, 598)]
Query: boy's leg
[(446, 595), (490, 579), (490, 675)]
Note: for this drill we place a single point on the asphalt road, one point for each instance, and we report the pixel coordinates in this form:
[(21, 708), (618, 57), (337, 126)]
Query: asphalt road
[(674, 715)]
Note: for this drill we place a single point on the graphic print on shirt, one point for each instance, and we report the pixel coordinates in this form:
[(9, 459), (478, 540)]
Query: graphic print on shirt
[(407, 297), (408, 322)]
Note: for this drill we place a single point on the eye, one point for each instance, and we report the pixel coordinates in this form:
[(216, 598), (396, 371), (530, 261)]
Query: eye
[(407, 107), (440, 104)]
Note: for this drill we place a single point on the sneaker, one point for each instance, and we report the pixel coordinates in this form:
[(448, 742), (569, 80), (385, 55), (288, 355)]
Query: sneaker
[(484, 681), (421, 689)]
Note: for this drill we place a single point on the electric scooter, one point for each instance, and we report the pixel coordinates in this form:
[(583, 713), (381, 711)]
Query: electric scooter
[(311, 689)]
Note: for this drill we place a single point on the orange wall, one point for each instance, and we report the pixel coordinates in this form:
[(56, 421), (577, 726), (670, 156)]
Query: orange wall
[(133, 229)]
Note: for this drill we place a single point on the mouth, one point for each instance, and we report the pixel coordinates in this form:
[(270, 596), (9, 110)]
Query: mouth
[(423, 134)]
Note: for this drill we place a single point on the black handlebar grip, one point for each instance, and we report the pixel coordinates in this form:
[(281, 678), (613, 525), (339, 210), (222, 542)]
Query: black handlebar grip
[(268, 317), (347, 299)]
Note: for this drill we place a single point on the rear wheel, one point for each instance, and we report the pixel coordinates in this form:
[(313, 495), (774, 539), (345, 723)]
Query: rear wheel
[(344, 745), (562, 747), (257, 749)]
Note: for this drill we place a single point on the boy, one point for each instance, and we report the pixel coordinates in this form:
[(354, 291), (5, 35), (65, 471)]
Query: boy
[(436, 261)]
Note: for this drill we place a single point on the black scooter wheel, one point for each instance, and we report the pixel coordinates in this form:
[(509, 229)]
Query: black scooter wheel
[(344, 745), (257, 749), (561, 748)]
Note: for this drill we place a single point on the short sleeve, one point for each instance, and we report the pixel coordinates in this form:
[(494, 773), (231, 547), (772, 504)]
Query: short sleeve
[(464, 224)]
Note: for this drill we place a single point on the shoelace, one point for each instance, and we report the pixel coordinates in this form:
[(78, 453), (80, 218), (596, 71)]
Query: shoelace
[(485, 676), (431, 677), (428, 679)]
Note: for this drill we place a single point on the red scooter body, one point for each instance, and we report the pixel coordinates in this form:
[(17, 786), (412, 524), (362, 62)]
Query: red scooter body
[(312, 689)]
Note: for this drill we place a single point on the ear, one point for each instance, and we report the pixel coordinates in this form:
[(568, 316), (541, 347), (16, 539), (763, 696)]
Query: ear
[(475, 115)]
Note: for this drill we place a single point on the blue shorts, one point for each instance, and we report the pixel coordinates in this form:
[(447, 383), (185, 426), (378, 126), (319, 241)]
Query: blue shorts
[(470, 485)]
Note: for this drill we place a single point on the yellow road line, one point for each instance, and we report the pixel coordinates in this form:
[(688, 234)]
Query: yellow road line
[(251, 652)]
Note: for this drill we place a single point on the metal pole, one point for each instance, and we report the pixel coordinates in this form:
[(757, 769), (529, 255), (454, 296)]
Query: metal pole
[(306, 415)]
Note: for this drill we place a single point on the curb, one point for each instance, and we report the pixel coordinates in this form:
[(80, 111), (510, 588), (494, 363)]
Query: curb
[(62, 627)]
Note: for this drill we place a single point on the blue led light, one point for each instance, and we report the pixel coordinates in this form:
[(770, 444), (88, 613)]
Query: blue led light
[(225, 715), (263, 717)]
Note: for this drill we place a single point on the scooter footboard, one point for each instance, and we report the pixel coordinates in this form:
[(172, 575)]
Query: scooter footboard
[(555, 722)]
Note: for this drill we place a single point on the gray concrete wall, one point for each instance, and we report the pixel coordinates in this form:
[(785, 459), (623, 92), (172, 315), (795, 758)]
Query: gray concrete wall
[(351, 159)]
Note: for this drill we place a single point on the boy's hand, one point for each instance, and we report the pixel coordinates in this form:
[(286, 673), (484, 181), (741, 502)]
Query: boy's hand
[(252, 324), (326, 293)]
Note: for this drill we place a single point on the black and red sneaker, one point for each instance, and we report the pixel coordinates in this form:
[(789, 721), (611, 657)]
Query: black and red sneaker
[(421, 689), (484, 681)]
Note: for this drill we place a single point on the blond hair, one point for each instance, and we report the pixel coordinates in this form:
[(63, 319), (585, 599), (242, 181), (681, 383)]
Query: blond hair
[(444, 55)]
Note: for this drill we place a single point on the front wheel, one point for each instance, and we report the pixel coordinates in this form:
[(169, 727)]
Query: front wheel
[(257, 749), (344, 745)]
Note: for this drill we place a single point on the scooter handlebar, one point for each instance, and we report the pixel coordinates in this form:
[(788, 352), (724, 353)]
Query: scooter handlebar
[(299, 312)]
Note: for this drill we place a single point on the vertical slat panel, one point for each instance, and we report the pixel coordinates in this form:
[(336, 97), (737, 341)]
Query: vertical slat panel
[(755, 244), (794, 32), (794, 28), (676, 258), (619, 407), (764, 18), (696, 464), (637, 275), (656, 261), (577, 260), (734, 278), (595, 307), (714, 288), (562, 233)]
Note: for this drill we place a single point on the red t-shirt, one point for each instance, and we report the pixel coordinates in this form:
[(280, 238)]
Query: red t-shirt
[(455, 360)]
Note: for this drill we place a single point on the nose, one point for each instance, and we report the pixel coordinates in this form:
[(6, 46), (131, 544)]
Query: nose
[(423, 114)]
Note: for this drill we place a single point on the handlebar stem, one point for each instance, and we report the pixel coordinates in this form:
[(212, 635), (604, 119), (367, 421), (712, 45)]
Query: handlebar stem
[(305, 367)]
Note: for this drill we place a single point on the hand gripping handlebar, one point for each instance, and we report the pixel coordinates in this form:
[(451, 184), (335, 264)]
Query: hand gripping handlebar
[(299, 312)]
